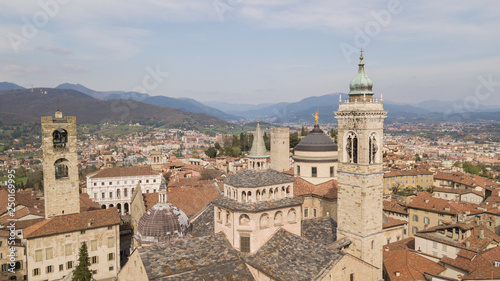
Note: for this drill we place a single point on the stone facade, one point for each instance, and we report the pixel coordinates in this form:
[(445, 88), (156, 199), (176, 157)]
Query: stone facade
[(60, 165), (156, 160), (315, 206), (280, 149), (360, 176), (8, 261), (250, 211), (55, 256)]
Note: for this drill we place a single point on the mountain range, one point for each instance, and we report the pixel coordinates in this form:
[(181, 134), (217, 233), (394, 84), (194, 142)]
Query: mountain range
[(292, 112), (28, 105)]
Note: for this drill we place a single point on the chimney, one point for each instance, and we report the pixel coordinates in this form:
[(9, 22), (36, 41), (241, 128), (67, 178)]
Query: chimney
[(397, 273), (481, 234)]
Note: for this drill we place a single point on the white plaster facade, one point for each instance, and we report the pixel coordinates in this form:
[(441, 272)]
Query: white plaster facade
[(117, 191)]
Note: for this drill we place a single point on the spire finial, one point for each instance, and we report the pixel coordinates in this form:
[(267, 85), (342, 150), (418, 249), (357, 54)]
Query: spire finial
[(361, 55)]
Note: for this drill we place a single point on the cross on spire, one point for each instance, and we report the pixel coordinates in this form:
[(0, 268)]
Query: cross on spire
[(361, 54)]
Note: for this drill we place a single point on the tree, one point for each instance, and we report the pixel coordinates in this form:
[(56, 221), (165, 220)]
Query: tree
[(217, 146), (267, 141), (333, 134), (82, 271), (303, 132), (211, 152), (294, 139)]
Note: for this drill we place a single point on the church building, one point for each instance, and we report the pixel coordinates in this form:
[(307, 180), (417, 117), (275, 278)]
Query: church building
[(259, 228)]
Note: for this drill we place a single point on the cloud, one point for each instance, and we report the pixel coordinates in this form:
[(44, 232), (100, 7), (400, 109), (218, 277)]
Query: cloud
[(53, 50), (19, 70), (73, 68)]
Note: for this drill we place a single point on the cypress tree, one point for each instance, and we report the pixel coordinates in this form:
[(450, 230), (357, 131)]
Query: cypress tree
[(82, 271)]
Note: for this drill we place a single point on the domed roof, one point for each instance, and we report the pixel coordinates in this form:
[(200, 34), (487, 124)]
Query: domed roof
[(317, 140), (361, 84), (162, 223)]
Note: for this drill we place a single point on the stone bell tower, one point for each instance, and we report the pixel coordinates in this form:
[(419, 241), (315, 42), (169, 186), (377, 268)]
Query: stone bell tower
[(60, 170), (360, 177)]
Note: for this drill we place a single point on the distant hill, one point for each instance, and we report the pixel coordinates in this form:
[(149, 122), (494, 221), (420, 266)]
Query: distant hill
[(301, 111), (4, 86), (186, 104), (19, 105)]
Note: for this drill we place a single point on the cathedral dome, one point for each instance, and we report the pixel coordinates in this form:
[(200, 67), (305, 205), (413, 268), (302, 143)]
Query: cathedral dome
[(361, 84), (317, 140), (162, 223)]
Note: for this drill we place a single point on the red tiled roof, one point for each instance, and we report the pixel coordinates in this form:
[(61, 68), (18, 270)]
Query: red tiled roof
[(393, 222), (192, 199), (124, 172), (457, 191), (396, 173), (409, 265), (73, 222), (475, 242), (395, 206), (425, 201), (327, 189)]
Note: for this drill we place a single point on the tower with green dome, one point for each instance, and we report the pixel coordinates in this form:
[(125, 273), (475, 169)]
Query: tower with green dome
[(360, 177)]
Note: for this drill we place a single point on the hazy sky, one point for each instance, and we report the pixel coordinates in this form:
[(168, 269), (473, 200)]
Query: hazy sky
[(255, 51)]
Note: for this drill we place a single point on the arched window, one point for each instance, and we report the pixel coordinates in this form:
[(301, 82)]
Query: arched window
[(264, 221), (278, 218), (351, 147), (264, 194), (292, 216), (259, 195), (244, 219), (372, 148), (271, 194), (282, 192), (219, 214), (118, 193), (249, 196), (61, 169), (125, 194), (228, 217), (59, 138), (243, 196), (276, 193), (288, 191)]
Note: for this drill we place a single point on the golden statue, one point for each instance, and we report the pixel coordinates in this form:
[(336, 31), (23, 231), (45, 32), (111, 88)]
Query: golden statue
[(316, 117)]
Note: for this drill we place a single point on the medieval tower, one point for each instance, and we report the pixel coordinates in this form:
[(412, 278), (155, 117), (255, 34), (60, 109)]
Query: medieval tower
[(60, 170), (360, 177), (280, 149)]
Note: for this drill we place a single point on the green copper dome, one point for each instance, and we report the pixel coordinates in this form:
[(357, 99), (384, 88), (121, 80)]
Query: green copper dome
[(361, 84)]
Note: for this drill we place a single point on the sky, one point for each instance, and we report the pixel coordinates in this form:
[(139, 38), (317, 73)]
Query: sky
[(256, 51)]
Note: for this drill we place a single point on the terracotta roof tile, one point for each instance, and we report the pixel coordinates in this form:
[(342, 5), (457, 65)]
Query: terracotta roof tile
[(425, 201), (124, 172), (393, 222), (408, 264), (74, 222), (395, 206), (327, 189)]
